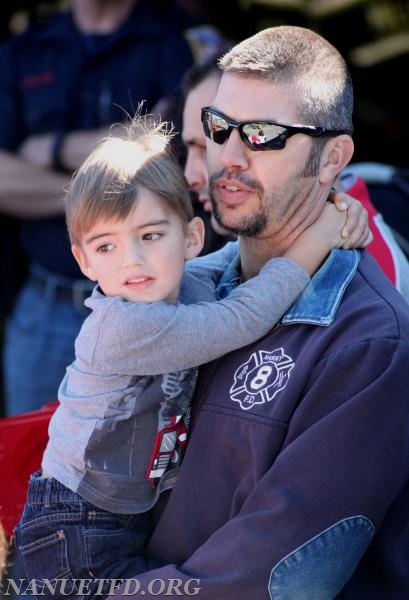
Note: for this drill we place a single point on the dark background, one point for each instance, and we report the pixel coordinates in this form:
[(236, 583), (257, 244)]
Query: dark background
[(372, 35)]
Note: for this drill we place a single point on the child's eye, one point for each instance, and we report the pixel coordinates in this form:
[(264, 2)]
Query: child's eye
[(105, 248), (151, 236)]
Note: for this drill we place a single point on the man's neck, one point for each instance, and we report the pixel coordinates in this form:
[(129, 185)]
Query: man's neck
[(254, 254), (256, 251), (101, 16)]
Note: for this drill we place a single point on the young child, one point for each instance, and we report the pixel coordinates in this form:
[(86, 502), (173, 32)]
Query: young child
[(116, 437)]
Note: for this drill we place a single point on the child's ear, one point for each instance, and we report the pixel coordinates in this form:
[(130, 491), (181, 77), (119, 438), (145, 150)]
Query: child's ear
[(194, 238), (81, 259)]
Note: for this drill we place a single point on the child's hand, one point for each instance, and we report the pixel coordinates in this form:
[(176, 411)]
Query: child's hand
[(327, 229), (356, 232), (330, 230)]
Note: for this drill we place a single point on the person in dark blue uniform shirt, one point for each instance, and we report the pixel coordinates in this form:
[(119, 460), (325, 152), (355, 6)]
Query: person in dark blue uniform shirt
[(62, 86)]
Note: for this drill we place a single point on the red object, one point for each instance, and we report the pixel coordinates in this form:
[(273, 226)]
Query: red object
[(380, 248), (22, 442)]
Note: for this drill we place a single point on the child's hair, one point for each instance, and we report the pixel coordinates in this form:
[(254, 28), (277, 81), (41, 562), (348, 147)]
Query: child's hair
[(107, 184)]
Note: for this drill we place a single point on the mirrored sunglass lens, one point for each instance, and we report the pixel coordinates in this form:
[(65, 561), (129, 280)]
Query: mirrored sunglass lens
[(218, 128), (265, 135)]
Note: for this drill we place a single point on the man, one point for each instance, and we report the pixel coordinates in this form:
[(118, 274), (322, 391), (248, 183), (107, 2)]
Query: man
[(200, 85), (63, 85), (294, 483), (199, 88)]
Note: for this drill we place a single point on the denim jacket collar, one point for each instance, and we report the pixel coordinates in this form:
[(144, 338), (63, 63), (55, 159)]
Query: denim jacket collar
[(319, 301), (230, 279)]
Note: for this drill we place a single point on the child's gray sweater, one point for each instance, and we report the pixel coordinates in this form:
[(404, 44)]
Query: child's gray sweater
[(121, 421)]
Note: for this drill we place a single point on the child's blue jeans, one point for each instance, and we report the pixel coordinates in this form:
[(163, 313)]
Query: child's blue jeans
[(63, 537)]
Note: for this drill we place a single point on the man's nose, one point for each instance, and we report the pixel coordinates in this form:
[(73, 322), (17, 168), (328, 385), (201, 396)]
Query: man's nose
[(235, 152)]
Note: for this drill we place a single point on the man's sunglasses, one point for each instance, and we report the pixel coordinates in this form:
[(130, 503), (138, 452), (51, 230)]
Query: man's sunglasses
[(257, 135)]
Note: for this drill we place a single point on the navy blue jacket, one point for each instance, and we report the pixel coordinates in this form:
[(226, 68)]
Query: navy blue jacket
[(295, 478), (54, 79)]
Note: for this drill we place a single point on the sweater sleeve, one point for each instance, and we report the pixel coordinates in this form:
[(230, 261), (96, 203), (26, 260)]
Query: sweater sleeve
[(155, 338)]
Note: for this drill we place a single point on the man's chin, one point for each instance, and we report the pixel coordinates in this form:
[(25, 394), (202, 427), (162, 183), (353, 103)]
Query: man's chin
[(250, 227)]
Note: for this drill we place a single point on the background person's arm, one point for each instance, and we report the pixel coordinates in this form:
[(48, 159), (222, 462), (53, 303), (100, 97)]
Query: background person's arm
[(30, 187), (73, 148), (26, 191)]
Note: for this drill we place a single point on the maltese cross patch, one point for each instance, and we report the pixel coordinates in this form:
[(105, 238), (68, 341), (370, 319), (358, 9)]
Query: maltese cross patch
[(260, 378)]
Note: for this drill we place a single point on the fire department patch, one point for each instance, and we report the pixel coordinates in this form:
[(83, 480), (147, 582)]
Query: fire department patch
[(260, 378)]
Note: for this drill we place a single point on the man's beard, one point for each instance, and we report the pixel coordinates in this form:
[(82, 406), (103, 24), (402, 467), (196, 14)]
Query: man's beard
[(255, 224), (250, 226)]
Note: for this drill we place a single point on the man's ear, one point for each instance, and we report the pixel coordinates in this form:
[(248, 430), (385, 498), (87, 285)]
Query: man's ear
[(81, 259), (194, 238), (336, 155)]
